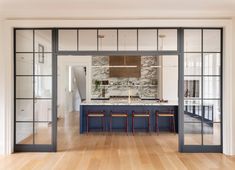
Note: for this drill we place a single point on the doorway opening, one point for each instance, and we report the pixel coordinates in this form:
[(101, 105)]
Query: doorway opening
[(71, 91), (151, 83)]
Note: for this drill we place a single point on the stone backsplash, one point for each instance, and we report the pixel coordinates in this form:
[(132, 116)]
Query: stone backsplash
[(144, 87)]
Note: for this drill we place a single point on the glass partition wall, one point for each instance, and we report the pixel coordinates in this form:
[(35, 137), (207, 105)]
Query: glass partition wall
[(33, 90), (203, 89), (199, 56)]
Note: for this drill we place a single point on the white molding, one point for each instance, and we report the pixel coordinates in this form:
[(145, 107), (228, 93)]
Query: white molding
[(123, 14), (2, 91), (226, 23), (233, 90), (227, 89)]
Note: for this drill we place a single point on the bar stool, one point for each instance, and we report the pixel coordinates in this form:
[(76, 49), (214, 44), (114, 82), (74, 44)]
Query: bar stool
[(145, 115), (98, 114), (169, 114), (119, 115)]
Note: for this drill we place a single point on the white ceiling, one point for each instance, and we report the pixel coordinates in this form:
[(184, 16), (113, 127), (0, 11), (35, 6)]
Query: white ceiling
[(115, 8)]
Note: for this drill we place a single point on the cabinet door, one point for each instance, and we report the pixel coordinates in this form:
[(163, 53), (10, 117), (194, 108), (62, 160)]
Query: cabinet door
[(116, 60), (132, 60)]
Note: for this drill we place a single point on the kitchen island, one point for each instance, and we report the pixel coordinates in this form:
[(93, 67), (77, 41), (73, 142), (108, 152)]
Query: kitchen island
[(126, 106)]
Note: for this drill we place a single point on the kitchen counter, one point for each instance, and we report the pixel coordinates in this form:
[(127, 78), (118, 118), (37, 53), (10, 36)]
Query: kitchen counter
[(133, 102), (121, 106)]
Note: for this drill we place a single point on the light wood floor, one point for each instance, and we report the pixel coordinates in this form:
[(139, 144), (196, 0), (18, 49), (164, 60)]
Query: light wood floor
[(103, 151)]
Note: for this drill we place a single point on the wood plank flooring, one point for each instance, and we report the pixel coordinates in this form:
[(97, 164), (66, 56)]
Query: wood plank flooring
[(114, 151)]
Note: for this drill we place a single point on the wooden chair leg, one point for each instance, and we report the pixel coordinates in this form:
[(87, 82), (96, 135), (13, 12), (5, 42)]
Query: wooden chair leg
[(174, 124), (87, 124), (133, 124), (126, 124), (110, 124), (170, 124), (103, 125), (149, 123), (157, 125)]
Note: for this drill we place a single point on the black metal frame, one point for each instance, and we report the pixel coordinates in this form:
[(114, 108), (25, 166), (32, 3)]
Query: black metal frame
[(202, 147), (38, 147), (55, 53)]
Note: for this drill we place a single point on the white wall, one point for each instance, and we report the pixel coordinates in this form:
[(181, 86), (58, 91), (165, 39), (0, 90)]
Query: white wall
[(233, 71), (76, 91), (65, 98), (81, 80), (170, 78)]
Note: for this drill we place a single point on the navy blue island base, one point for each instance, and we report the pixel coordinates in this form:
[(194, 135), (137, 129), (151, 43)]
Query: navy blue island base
[(118, 124)]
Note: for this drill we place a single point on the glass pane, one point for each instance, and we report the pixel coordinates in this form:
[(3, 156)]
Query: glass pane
[(211, 64), (24, 110), (211, 87), (24, 133), (24, 64), (147, 39), (167, 39), (192, 111), (211, 40), (42, 133), (212, 110), (87, 40), (192, 64), (107, 40), (68, 40), (43, 65), (24, 87), (192, 40), (127, 40), (43, 41), (192, 87), (43, 87), (24, 40), (43, 110), (211, 133), (192, 133)]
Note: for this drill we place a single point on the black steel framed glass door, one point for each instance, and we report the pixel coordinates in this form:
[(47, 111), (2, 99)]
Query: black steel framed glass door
[(200, 78), (35, 97), (202, 82)]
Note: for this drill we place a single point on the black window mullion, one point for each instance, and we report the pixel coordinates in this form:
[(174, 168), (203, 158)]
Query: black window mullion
[(137, 39), (158, 40), (221, 85), (202, 107), (77, 40), (28, 121), (33, 86), (117, 39)]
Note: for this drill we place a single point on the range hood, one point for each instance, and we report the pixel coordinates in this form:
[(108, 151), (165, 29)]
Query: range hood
[(124, 66)]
